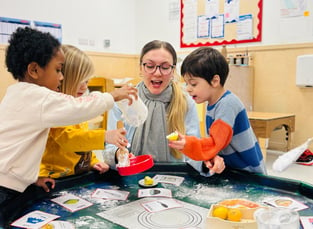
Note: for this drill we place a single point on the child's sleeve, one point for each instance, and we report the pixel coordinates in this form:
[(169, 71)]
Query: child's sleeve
[(73, 139), (206, 148), (94, 159)]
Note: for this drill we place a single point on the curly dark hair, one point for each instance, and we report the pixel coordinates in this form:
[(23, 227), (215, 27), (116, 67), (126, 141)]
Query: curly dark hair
[(28, 45), (205, 62)]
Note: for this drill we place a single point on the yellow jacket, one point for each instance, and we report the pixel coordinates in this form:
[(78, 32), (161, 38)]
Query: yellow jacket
[(68, 150)]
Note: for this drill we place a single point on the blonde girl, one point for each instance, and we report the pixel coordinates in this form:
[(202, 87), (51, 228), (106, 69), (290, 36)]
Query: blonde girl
[(69, 149)]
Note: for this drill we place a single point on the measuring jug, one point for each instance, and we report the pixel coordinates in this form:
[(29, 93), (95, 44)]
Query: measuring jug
[(277, 218)]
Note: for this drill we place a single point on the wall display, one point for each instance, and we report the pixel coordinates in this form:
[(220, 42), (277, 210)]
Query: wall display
[(220, 22), (9, 25), (53, 28)]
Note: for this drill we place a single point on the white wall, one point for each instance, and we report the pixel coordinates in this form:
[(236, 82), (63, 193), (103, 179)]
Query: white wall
[(153, 22), (92, 20), (152, 15), (278, 30), (129, 24)]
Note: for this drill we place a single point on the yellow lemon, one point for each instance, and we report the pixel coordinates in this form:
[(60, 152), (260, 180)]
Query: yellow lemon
[(172, 136), (48, 226), (148, 180), (220, 212), (71, 201), (234, 214)]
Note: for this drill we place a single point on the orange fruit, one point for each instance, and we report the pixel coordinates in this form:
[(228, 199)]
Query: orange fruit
[(220, 212), (234, 214)]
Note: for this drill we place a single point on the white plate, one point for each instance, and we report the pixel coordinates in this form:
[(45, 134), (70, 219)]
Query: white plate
[(142, 184)]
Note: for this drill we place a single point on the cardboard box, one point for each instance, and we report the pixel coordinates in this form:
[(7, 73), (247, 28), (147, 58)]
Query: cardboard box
[(247, 221)]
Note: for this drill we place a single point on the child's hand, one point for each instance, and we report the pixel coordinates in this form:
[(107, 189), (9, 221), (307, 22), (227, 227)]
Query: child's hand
[(101, 167), (125, 92), (178, 144), (123, 157), (216, 165), (116, 137), (42, 182)]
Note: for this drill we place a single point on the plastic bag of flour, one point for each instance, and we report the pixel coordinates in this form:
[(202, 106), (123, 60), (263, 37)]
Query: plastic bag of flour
[(134, 114)]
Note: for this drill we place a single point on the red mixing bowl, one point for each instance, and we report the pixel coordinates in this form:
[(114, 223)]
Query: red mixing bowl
[(138, 164)]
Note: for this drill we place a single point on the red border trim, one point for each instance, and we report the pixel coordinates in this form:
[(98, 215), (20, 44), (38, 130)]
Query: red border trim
[(234, 41)]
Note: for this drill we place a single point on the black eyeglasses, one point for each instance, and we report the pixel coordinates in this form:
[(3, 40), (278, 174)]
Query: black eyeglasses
[(165, 68)]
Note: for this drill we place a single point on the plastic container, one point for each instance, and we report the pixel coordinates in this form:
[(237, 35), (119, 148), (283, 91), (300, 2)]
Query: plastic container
[(245, 223), (134, 114), (247, 208), (137, 165), (277, 218)]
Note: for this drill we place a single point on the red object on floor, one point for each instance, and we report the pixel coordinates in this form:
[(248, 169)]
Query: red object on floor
[(306, 158)]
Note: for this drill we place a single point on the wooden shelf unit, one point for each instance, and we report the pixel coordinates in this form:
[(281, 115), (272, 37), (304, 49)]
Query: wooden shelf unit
[(104, 85)]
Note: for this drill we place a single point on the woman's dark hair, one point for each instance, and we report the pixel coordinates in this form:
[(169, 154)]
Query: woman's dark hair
[(28, 45), (206, 62), (156, 44)]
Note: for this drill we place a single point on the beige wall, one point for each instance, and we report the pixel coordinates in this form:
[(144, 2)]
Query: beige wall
[(110, 65), (107, 65), (274, 80), (5, 77), (275, 87)]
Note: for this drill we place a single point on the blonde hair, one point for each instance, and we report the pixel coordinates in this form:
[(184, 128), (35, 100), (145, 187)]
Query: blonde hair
[(77, 68), (178, 106), (176, 114)]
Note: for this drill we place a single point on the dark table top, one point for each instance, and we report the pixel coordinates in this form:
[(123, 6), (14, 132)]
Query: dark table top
[(196, 190)]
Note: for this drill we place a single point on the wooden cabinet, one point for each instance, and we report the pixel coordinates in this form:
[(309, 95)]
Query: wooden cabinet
[(103, 85), (240, 81)]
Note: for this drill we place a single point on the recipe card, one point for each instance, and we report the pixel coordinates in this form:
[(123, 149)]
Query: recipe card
[(307, 222), (286, 202), (111, 194), (59, 224), (34, 219), (71, 202), (157, 192), (161, 205), (176, 180)]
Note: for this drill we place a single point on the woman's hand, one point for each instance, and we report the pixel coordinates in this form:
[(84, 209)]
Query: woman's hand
[(178, 144)]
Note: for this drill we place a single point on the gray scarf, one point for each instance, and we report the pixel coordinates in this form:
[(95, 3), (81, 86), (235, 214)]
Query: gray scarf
[(150, 138)]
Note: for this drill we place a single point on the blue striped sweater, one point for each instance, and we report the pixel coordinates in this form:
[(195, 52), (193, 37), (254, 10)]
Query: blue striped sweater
[(244, 151)]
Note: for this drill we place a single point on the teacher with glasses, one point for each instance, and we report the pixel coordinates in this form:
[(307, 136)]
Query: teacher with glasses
[(170, 108)]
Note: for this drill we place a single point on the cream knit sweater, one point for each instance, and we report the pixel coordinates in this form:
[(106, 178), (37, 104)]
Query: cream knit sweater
[(27, 112)]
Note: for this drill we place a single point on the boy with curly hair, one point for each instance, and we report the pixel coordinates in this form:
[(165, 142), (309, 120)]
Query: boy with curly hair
[(34, 104)]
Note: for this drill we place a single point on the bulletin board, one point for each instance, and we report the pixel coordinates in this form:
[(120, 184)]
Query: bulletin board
[(52, 28), (220, 22), (9, 25)]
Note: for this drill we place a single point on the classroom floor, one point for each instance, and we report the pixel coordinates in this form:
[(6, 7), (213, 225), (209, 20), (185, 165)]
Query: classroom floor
[(295, 171)]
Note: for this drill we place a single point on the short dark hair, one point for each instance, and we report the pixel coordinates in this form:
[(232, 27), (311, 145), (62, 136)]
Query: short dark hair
[(28, 45), (157, 44), (205, 62)]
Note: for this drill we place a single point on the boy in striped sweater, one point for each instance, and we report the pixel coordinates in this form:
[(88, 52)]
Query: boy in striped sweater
[(230, 135)]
